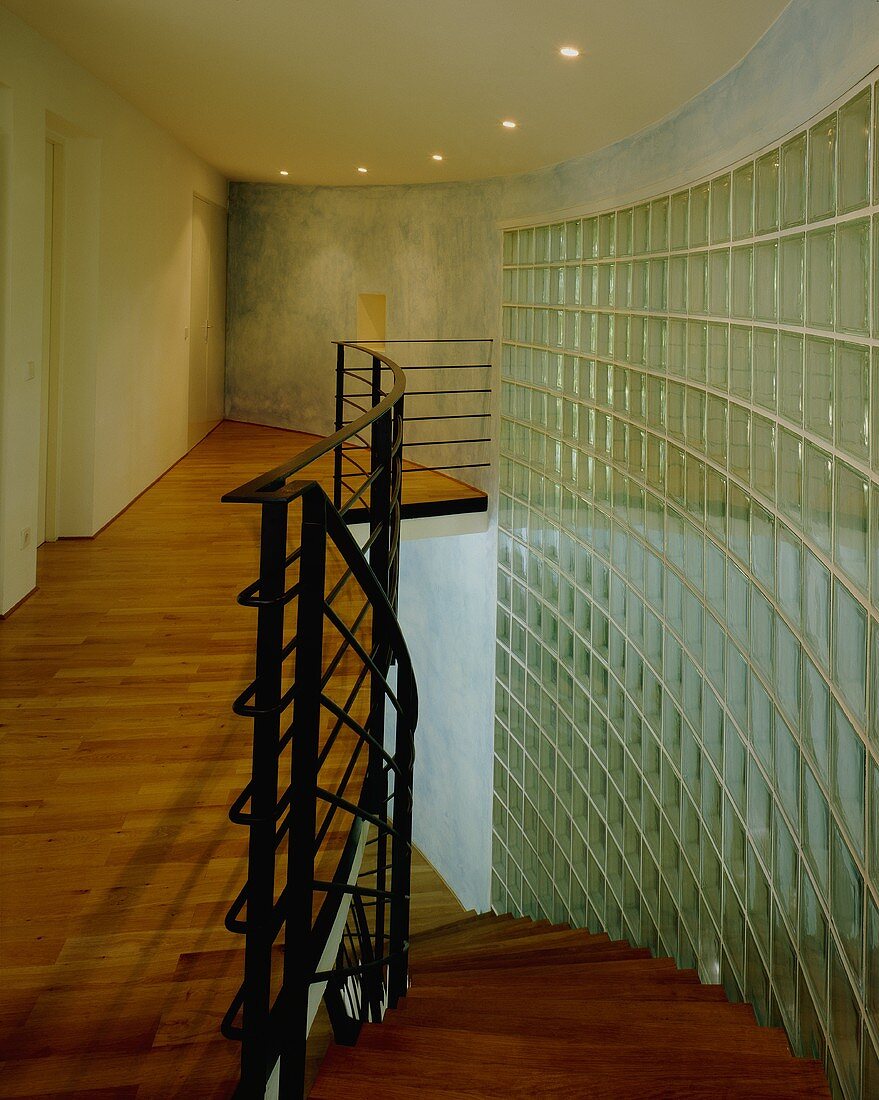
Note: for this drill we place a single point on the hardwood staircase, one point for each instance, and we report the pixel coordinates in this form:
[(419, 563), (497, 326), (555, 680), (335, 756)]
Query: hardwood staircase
[(505, 1007)]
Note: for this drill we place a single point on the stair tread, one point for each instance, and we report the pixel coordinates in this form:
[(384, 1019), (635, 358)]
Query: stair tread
[(462, 942), (531, 971), (493, 1065), (582, 1024), (495, 957), (486, 931)]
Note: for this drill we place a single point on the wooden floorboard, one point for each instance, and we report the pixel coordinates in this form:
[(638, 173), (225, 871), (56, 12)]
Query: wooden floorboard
[(120, 757)]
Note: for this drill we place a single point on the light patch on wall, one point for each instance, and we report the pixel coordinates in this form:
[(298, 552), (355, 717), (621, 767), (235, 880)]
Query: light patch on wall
[(372, 315)]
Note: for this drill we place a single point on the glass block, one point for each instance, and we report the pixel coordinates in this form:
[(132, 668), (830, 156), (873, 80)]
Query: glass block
[(759, 811), (720, 200), (852, 402), (606, 236), (816, 605), (763, 545), (793, 182), (766, 281), (852, 524), (844, 1024), (809, 1042), (816, 831), (697, 282), (874, 388), (853, 276), (785, 869), (822, 169), (791, 279), (677, 347), (697, 350), (658, 285), (764, 367), (816, 719), (677, 284), (624, 233), (742, 278), (790, 573), (763, 458), (766, 193), (679, 208), (820, 262), (784, 968), (739, 442), (698, 216), (790, 475), (820, 357), (641, 229), (740, 362), (743, 201), (788, 659), (847, 900), (871, 974), (818, 496), (790, 376), (659, 215), (854, 153), (787, 771), (718, 282), (848, 777), (762, 721)]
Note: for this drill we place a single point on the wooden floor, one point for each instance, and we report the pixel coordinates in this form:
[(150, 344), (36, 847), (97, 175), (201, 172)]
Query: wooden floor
[(120, 757)]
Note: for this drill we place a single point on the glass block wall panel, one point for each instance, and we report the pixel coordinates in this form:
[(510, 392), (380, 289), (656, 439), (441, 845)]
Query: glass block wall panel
[(687, 698)]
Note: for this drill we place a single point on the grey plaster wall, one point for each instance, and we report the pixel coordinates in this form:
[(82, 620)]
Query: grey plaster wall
[(298, 258)]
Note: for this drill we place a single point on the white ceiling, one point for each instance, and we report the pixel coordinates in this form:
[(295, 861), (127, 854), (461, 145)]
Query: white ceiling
[(318, 88)]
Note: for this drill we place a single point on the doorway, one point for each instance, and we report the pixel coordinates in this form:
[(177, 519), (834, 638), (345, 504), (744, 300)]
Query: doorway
[(50, 374), (372, 313), (207, 319)]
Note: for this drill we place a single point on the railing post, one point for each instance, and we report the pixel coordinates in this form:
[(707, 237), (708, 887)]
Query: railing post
[(255, 1048), (299, 956), (401, 849), (396, 503), (340, 420)]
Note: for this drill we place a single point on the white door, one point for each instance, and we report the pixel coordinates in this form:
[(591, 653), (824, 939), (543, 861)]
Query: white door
[(207, 322)]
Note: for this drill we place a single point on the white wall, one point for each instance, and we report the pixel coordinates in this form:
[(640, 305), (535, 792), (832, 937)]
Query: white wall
[(447, 608), (125, 361)]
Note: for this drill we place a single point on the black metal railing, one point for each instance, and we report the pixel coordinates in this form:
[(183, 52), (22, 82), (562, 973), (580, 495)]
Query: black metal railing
[(325, 905), (448, 406)]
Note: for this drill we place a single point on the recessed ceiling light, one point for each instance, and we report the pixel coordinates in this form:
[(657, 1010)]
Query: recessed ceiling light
[(437, 156), (508, 124), (569, 51), (284, 172), (364, 170)]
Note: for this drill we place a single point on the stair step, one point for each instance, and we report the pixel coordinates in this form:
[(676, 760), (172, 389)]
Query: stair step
[(496, 958), (707, 1026), (448, 1062), (659, 989), (492, 930), (555, 976), (462, 943)]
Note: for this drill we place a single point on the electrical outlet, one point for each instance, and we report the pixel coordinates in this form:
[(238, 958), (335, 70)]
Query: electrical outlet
[(24, 539)]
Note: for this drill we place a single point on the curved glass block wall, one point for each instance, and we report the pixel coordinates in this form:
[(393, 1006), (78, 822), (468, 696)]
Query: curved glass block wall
[(687, 740)]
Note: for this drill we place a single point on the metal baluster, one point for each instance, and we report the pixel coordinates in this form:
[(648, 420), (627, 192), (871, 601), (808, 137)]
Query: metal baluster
[(401, 853), (340, 419), (255, 1048), (299, 951)]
